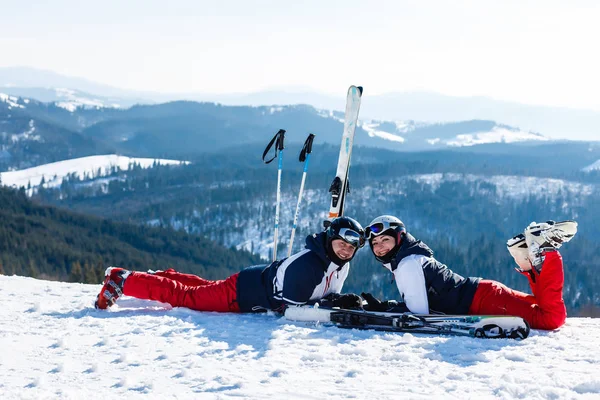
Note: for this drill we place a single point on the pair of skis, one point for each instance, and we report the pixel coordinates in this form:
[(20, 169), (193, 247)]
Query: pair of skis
[(476, 326)]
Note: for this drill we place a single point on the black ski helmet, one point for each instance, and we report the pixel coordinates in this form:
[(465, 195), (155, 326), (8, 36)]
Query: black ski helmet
[(386, 225), (348, 230)]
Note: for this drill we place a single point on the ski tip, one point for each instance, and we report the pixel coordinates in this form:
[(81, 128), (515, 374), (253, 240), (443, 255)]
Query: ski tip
[(353, 88)]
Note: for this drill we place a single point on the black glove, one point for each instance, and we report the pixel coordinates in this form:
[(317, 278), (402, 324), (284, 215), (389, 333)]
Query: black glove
[(374, 304), (347, 301)]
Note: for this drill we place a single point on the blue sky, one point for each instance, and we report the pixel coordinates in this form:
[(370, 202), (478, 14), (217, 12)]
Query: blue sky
[(533, 52)]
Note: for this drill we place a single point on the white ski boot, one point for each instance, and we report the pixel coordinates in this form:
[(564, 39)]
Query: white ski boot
[(528, 249)]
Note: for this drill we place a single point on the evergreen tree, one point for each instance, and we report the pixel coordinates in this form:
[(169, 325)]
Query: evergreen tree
[(76, 273)]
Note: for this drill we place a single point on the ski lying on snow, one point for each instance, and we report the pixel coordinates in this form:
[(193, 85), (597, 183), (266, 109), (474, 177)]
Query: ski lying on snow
[(479, 326)]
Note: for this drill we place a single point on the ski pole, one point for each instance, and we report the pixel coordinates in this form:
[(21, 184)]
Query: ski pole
[(278, 142), (304, 157)]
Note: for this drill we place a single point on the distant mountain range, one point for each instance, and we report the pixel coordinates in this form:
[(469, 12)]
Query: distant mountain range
[(34, 132), (428, 107)]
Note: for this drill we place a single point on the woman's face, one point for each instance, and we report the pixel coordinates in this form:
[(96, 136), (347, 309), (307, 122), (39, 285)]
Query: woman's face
[(342, 249), (382, 245)]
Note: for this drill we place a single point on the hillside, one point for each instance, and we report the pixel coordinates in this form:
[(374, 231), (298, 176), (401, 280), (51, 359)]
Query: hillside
[(56, 345), (44, 241), (34, 133)]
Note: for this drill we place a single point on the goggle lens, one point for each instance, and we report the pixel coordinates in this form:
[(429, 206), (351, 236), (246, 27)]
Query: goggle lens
[(378, 228), (352, 237)]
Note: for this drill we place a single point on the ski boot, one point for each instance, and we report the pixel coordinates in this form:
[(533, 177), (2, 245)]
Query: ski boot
[(528, 248), (112, 288)]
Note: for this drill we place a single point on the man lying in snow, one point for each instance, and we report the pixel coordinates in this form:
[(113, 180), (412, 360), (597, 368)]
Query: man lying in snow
[(315, 273)]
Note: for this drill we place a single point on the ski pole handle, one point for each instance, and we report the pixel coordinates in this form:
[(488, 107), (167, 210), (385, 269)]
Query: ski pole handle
[(278, 142)]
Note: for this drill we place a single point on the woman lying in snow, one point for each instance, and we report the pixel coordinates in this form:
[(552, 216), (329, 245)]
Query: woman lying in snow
[(426, 285)]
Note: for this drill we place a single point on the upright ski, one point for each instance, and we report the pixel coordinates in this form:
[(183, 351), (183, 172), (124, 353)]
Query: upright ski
[(479, 326), (339, 186)]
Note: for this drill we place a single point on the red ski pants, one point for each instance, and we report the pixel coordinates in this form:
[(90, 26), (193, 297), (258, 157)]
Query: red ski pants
[(545, 309), (184, 290)]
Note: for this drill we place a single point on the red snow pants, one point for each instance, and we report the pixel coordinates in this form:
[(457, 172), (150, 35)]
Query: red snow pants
[(545, 309), (184, 290)]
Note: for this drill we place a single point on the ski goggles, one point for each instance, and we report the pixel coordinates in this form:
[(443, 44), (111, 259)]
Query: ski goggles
[(378, 228), (352, 237)]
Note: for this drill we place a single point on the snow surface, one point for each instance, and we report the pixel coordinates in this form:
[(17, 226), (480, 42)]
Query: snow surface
[(55, 345), (54, 173)]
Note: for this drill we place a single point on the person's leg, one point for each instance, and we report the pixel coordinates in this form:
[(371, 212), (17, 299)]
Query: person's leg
[(546, 310), (186, 279), (549, 290), (219, 296)]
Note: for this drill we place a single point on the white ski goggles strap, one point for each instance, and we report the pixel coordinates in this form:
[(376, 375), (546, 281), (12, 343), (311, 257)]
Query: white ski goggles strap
[(378, 228)]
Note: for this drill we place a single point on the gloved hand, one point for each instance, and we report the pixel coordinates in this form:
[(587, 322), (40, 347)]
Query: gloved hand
[(374, 304), (347, 301)]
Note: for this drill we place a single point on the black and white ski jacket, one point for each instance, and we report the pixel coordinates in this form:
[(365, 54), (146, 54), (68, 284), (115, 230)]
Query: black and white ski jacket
[(427, 285), (305, 277)]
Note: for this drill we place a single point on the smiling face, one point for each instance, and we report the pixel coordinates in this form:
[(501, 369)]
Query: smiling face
[(382, 245), (345, 251)]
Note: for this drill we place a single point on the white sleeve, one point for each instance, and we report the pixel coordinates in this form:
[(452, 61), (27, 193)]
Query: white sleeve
[(410, 279)]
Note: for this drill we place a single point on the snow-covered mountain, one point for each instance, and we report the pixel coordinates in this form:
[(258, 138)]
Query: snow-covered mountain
[(592, 167), (69, 99), (183, 127), (420, 135), (90, 167), (56, 345), (496, 133)]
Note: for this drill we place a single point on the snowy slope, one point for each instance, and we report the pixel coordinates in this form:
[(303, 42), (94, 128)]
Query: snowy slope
[(56, 345), (54, 173), (592, 167)]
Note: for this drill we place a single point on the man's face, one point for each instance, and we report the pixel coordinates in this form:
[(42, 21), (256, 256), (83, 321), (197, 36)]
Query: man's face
[(342, 249), (382, 245)]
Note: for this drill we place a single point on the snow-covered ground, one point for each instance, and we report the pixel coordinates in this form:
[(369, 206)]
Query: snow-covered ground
[(55, 345), (54, 173)]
